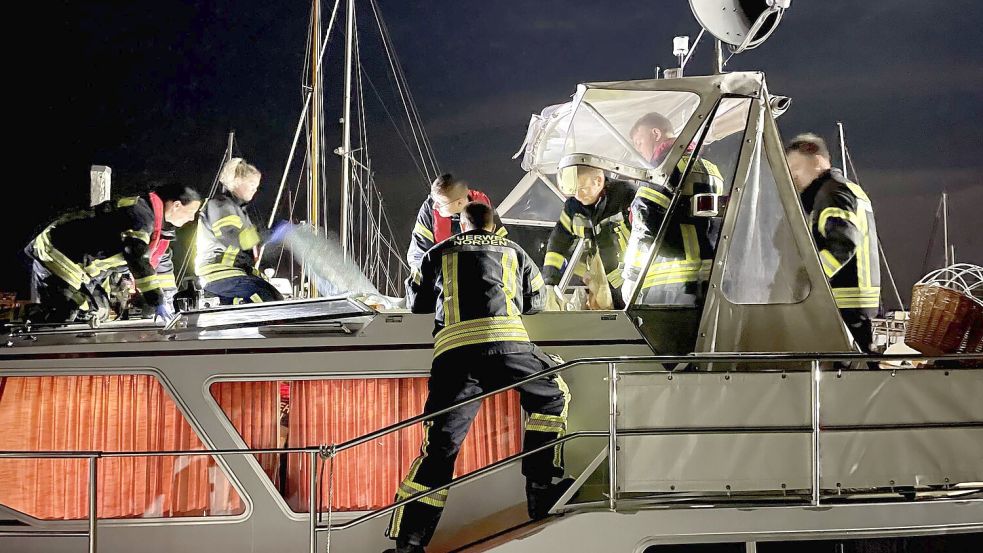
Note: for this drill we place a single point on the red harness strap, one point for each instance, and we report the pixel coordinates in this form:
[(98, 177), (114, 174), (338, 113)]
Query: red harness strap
[(157, 246)]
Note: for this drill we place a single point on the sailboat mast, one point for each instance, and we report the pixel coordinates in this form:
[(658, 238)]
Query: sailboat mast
[(346, 133), (839, 129), (945, 228), (313, 203)]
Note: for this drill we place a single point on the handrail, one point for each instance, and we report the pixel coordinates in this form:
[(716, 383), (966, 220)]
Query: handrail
[(611, 363)]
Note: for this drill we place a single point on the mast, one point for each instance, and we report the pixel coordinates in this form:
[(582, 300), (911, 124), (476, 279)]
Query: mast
[(313, 203), (945, 228), (839, 129), (346, 133)]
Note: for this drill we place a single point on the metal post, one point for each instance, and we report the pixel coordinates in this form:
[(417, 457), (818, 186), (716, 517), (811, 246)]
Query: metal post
[(312, 502), (839, 130), (93, 503), (346, 145), (814, 395), (945, 226), (612, 435), (718, 57)]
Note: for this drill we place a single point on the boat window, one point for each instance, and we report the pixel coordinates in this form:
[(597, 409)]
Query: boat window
[(119, 413), (680, 273), (764, 265), (604, 119), (306, 413)]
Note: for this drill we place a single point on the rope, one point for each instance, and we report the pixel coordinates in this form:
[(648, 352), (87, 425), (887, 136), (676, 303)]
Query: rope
[(880, 246)]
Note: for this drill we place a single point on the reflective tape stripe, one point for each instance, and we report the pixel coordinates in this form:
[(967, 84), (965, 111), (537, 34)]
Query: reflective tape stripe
[(554, 259), (98, 266), (546, 423), (423, 232), (229, 221), (127, 202), (856, 298), (565, 222), (480, 331), (501, 232), (248, 238), (58, 263), (615, 278), (229, 256), (510, 280), (136, 234), (452, 304), (677, 272), (653, 195), (537, 282), (837, 213), (831, 265), (255, 298), (147, 284), (691, 244), (166, 280)]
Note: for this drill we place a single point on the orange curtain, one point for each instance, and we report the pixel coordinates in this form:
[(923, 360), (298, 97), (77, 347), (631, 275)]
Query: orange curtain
[(365, 477), (104, 413), (253, 408)]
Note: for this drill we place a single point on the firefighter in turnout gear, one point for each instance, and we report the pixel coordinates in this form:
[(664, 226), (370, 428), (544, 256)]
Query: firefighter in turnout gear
[(440, 216), (74, 257), (681, 268), (598, 212), (842, 221), (479, 284), (227, 240)]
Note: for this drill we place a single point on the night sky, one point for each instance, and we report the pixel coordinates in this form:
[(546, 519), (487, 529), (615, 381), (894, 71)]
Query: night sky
[(153, 88)]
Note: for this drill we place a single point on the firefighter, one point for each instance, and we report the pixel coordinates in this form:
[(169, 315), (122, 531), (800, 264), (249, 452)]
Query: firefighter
[(841, 218), (227, 240), (440, 216), (681, 268), (598, 212), (74, 257), (479, 284)]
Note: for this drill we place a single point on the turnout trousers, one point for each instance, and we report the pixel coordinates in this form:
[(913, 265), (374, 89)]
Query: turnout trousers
[(454, 377), (243, 289)]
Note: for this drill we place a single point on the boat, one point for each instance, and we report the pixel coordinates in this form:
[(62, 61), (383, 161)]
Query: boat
[(749, 419)]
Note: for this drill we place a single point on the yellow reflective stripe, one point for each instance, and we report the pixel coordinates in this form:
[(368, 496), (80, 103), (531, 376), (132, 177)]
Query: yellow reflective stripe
[(863, 253), (480, 331), (452, 304), (546, 423), (127, 202), (416, 276), (615, 278), (622, 233), (58, 263), (831, 265), (653, 195), (580, 225), (147, 284), (858, 192), (229, 256), (565, 222), (255, 298), (537, 282), (97, 266), (837, 213), (137, 234), (501, 232), (691, 244), (248, 238), (229, 221), (677, 272), (215, 272), (510, 277), (565, 390), (860, 297), (423, 231), (166, 280), (554, 259)]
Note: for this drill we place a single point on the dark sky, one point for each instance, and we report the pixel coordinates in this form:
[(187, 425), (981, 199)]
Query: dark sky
[(152, 89)]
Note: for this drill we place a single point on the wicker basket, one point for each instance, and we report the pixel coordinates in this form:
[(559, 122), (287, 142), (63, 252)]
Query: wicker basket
[(946, 317)]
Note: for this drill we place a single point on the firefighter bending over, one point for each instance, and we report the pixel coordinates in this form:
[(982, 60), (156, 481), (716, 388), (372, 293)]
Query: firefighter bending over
[(479, 285), (74, 257), (440, 216), (227, 240), (598, 212), (841, 219), (681, 268)]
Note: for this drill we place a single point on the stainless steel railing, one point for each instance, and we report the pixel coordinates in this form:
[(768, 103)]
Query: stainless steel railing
[(325, 453)]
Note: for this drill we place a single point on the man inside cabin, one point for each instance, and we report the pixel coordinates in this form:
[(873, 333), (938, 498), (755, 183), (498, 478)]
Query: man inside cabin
[(479, 284), (440, 216), (681, 268), (597, 211), (841, 219)]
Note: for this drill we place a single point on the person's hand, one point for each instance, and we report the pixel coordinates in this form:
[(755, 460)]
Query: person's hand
[(279, 232), (164, 313)]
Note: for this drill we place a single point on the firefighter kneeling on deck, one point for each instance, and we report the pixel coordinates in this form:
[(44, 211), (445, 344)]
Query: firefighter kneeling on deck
[(227, 240), (74, 257), (841, 218), (479, 285)]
